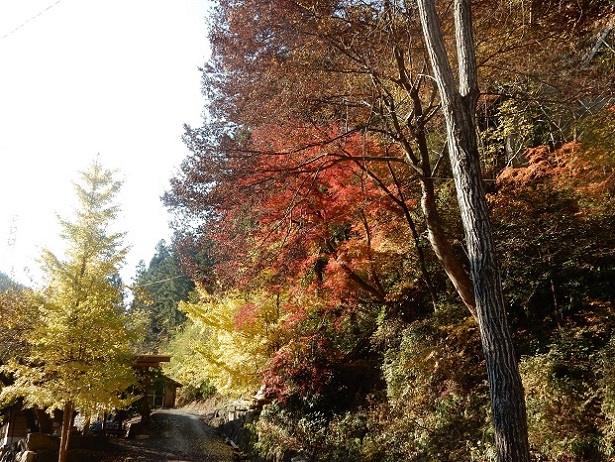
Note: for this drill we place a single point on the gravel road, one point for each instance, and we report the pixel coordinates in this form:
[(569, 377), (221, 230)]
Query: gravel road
[(177, 436)]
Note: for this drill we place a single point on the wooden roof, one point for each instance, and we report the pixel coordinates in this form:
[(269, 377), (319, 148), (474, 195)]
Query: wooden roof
[(150, 360)]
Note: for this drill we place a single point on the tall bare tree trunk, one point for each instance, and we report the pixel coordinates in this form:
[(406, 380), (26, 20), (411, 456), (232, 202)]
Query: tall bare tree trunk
[(506, 388)]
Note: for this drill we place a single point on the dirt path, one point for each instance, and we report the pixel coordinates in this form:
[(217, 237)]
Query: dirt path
[(177, 436)]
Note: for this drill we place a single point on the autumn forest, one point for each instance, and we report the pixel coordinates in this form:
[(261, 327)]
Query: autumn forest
[(396, 224)]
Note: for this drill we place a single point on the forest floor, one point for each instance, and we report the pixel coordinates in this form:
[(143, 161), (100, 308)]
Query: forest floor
[(176, 435)]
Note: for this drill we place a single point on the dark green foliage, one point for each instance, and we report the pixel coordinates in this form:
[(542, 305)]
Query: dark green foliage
[(158, 289), (314, 435), (431, 403), (567, 384), (437, 393), (7, 283), (328, 365), (554, 221)]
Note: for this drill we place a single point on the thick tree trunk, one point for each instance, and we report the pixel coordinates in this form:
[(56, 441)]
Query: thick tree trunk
[(65, 432), (506, 388), (507, 397)]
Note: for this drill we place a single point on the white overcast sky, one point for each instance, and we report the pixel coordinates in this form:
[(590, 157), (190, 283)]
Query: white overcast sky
[(115, 77)]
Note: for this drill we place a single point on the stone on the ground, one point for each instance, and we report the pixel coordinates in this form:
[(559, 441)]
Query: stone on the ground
[(37, 441), (26, 456)]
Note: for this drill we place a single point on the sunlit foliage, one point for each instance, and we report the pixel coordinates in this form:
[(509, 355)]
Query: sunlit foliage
[(78, 347), (319, 186), (18, 316), (229, 339)]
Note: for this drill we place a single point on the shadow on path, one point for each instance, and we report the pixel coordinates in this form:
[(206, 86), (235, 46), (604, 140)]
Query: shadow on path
[(176, 436)]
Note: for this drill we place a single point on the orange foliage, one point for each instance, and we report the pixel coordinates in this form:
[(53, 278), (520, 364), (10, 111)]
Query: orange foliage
[(301, 207), (569, 167)]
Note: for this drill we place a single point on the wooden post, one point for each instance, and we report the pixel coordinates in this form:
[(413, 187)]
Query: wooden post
[(145, 408)]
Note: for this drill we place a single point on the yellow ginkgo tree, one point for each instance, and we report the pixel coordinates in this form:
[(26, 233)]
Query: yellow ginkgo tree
[(227, 342), (79, 354)]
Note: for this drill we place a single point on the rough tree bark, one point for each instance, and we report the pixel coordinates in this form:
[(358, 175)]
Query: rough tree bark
[(67, 421), (419, 157), (459, 103)]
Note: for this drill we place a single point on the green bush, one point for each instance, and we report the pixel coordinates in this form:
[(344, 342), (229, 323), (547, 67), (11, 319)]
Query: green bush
[(437, 391), (315, 436), (567, 393)]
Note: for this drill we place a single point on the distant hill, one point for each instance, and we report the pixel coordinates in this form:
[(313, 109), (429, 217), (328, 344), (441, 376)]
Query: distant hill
[(6, 282)]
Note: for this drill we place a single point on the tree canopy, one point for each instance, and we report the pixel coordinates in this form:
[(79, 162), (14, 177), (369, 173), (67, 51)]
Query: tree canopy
[(157, 289), (321, 184), (78, 350)]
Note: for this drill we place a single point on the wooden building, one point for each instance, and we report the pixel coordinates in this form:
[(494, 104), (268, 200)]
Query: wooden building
[(18, 422), (158, 390)]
